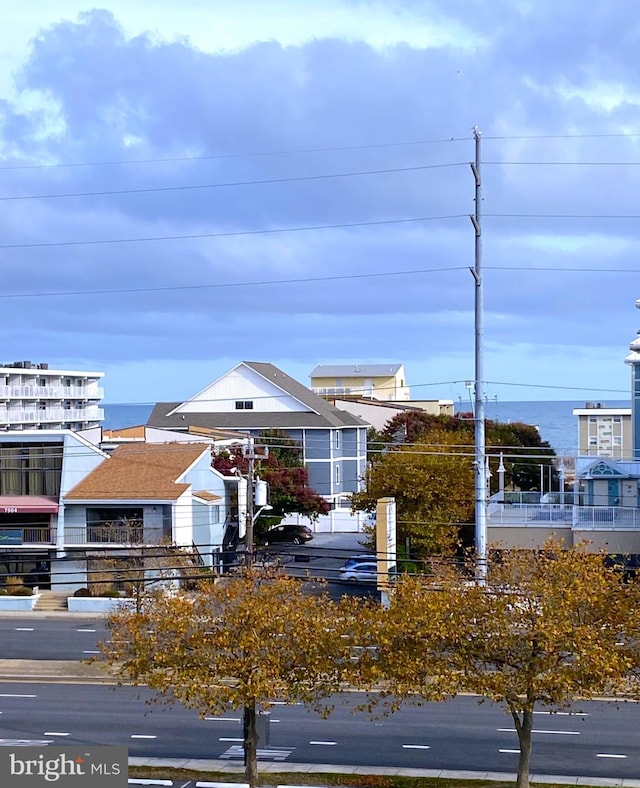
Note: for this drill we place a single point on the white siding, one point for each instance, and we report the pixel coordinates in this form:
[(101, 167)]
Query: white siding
[(241, 384)]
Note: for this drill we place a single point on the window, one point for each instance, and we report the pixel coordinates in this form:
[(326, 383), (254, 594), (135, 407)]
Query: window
[(337, 439), (30, 469), (244, 404), (339, 383), (617, 419), (337, 474), (593, 441), (42, 381), (593, 419), (617, 440)]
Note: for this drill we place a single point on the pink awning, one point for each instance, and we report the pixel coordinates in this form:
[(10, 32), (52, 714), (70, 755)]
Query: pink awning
[(28, 504)]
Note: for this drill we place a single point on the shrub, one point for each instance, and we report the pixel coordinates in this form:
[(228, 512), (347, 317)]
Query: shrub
[(14, 582), (110, 593), (82, 592), (21, 591)]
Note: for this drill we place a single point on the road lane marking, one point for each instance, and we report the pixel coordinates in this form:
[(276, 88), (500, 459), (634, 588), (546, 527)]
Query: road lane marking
[(139, 781), (24, 629), (328, 743), (416, 746), (514, 752), (564, 713), (90, 652), (228, 738), (609, 755), (9, 695), (143, 736), (55, 733), (224, 719), (536, 730), (86, 630)]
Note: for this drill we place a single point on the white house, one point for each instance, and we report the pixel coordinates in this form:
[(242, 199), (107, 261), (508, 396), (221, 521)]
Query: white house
[(256, 396)]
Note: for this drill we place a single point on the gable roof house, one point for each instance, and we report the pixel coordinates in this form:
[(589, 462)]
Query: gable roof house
[(146, 495), (257, 396)]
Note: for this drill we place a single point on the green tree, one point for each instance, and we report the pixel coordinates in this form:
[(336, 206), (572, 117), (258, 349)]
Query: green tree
[(433, 484), (285, 473), (523, 448), (550, 627), (241, 643)]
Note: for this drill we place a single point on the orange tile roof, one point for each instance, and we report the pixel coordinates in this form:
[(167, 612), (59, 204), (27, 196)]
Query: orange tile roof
[(142, 471)]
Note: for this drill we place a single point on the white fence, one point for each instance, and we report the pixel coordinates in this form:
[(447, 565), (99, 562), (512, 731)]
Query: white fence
[(595, 518)]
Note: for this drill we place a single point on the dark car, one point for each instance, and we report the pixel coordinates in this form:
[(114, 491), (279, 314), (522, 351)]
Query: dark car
[(288, 532)]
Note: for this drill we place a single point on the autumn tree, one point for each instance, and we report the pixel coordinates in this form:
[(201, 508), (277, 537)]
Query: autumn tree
[(283, 470), (241, 643), (549, 627), (433, 485), (523, 447)]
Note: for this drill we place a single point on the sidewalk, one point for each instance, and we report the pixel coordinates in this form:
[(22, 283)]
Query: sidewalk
[(331, 768)]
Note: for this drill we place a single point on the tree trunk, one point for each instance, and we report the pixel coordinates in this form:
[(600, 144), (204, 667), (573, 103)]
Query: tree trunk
[(250, 745), (523, 727)]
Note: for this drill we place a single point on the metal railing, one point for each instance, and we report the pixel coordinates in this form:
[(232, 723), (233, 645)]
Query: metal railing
[(604, 518), (112, 534), (51, 392), (44, 415), (29, 535)]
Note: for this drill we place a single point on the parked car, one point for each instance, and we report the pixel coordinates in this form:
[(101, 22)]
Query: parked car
[(353, 560), (287, 532), (365, 572)]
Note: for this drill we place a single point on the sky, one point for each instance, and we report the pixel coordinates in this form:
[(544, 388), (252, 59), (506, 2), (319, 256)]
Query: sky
[(186, 186)]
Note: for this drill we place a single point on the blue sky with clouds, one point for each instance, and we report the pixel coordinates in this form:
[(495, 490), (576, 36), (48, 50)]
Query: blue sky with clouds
[(228, 131)]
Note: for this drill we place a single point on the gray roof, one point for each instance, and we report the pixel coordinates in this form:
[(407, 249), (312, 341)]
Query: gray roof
[(355, 370), (250, 420), (321, 414)]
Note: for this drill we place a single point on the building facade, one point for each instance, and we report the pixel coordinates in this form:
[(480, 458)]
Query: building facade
[(604, 432), (376, 381), (32, 396), (254, 397)]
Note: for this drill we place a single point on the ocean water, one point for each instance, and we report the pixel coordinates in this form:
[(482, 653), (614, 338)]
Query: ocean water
[(555, 420), (116, 416)]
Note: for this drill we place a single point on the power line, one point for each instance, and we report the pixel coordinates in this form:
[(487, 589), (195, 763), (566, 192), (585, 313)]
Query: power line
[(220, 285), (222, 156), (261, 182), (232, 233)]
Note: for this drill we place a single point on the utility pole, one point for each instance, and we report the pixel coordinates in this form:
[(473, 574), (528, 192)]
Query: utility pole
[(250, 455), (479, 415), (253, 453)]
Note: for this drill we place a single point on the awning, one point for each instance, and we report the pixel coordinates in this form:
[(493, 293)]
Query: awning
[(28, 504)]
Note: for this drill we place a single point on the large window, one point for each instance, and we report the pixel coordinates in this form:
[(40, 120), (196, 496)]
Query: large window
[(30, 468)]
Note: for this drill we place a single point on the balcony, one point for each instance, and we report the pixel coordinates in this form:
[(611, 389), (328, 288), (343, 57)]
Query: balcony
[(111, 534), (51, 392), (49, 415), (31, 536)]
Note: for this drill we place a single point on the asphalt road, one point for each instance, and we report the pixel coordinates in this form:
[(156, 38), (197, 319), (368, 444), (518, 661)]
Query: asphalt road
[(601, 741), (36, 637)]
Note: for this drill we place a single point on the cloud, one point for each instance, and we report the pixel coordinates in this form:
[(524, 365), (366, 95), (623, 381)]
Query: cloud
[(253, 130)]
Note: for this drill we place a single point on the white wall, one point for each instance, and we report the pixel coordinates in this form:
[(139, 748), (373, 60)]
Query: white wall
[(241, 383)]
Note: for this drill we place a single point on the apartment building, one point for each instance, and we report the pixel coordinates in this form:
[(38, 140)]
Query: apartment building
[(32, 396), (604, 432)]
